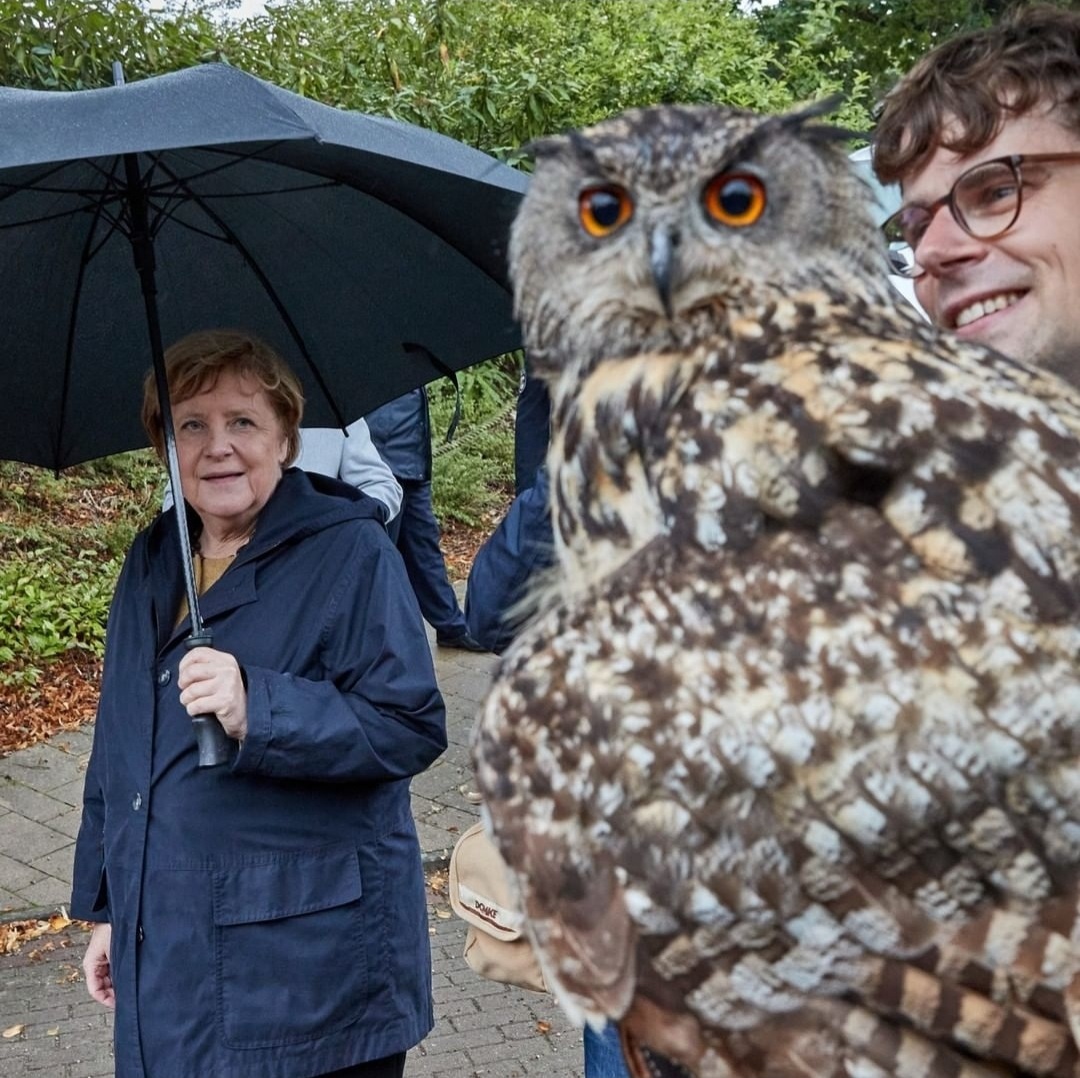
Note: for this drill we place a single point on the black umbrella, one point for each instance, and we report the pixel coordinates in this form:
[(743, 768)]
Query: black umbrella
[(368, 251)]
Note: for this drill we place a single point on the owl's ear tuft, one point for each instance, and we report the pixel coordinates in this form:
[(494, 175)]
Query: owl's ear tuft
[(799, 120), (540, 149)]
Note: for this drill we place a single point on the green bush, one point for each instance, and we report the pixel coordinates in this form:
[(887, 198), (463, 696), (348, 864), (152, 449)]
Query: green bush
[(54, 600), (473, 474), (62, 542)]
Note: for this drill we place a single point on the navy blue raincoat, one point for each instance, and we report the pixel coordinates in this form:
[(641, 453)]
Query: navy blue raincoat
[(268, 917)]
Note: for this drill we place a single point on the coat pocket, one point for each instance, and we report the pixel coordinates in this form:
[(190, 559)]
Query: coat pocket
[(289, 947)]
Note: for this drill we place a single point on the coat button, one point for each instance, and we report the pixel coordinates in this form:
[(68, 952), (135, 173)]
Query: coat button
[(136, 802), (164, 677)]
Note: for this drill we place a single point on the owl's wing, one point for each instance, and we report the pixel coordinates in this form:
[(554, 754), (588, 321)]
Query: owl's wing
[(973, 458), (784, 783)]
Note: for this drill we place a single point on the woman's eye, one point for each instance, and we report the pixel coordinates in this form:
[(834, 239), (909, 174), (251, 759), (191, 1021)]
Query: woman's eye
[(604, 210), (190, 425), (735, 199)]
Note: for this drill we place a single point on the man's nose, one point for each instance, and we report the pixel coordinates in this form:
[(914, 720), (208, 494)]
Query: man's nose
[(945, 243)]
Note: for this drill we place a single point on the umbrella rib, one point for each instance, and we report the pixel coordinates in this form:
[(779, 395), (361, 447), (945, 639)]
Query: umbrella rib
[(15, 188), (235, 158), (95, 197), (269, 190), (84, 262), (271, 292), (401, 208), (26, 222)]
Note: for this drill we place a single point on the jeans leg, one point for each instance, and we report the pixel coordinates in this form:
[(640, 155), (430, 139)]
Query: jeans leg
[(603, 1054), (418, 543)]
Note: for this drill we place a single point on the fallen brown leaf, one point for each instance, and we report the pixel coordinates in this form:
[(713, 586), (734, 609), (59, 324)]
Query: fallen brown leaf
[(38, 953), (14, 934), (12, 1031), (543, 1027)]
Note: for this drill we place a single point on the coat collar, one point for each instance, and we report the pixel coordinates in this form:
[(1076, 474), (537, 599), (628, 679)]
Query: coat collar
[(302, 504)]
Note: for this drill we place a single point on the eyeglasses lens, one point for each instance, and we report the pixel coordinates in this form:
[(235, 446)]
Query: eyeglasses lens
[(985, 201), (987, 198)]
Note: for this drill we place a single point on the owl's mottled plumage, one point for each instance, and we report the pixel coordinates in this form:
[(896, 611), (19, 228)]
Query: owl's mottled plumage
[(787, 773)]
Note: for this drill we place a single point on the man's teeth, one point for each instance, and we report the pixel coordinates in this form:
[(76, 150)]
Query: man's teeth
[(983, 307)]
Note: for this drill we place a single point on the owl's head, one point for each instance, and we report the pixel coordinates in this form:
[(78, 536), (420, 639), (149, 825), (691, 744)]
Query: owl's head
[(651, 229)]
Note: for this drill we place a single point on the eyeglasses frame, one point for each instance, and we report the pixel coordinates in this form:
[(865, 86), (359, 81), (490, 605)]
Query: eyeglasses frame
[(1014, 161)]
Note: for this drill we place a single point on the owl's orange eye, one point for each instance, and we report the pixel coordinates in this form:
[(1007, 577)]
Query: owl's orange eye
[(604, 210), (736, 199)]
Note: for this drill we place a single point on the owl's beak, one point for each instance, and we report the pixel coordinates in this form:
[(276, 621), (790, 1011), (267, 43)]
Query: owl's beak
[(662, 246)]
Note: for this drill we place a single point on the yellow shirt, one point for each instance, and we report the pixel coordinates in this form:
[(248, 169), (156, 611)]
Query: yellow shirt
[(208, 571)]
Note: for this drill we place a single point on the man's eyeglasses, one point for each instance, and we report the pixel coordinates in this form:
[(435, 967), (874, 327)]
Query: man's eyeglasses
[(985, 202)]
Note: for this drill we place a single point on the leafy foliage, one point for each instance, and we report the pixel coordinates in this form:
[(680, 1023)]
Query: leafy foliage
[(62, 541), (473, 473), (866, 45), (493, 73)]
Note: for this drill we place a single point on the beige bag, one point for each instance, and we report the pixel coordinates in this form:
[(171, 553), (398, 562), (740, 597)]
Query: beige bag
[(480, 894)]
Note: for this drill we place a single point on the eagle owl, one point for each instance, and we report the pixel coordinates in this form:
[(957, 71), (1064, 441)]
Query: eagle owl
[(786, 772)]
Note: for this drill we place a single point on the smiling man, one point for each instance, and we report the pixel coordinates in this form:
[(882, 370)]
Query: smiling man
[(983, 136)]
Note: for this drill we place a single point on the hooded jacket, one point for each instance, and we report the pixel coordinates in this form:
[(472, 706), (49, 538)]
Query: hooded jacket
[(268, 917)]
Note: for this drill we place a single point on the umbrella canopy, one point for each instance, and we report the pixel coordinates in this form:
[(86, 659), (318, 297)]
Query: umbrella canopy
[(369, 252)]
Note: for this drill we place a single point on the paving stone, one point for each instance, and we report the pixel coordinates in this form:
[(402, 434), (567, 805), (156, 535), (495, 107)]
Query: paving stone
[(59, 863), (68, 822), (26, 840), (9, 903), (47, 893), (71, 793), (15, 875), (29, 802), (483, 1029), (41, 766)]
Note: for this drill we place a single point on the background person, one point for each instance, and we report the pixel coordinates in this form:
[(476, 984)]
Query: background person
[(401, 431), (265, 918), (353, 459), (983, 136)]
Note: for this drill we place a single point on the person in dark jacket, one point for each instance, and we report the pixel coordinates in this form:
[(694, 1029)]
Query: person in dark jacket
[(265, 919), (530, 430), (401, 431), (508, 562)]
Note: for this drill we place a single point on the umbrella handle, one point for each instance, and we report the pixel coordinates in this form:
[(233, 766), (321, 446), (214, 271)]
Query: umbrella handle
[(215, 746)]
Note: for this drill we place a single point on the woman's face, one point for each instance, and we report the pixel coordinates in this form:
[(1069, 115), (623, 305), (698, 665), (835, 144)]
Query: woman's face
[(231, 446)]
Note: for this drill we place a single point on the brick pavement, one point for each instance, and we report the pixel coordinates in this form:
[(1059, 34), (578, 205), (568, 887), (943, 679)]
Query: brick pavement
[(483, 1030)]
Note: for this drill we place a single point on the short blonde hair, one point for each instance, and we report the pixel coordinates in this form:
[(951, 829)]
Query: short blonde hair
[(194, 364)]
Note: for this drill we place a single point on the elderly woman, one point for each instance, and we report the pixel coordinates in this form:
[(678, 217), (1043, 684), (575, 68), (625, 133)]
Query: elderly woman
[(264, 919)]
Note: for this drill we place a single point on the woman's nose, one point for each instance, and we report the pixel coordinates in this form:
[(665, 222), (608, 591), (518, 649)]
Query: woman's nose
[(218, 442)]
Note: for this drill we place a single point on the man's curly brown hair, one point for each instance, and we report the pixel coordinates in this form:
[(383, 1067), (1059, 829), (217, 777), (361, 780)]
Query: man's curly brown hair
[(959, 94)]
